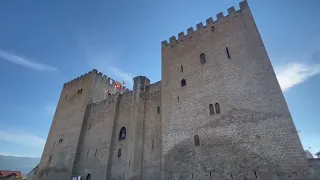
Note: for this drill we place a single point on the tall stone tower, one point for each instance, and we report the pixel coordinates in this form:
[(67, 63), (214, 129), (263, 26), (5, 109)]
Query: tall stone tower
[(223, 113), (60, 150)]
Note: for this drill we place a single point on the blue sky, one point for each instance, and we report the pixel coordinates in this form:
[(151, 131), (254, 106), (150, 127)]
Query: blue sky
[(46, 43)]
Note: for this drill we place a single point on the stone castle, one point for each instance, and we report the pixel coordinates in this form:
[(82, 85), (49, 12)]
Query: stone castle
[(218, 113)]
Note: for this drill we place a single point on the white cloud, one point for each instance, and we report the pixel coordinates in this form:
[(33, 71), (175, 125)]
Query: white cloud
[(22, 61), (31, 155), (293, 74), (22, 139), (127, 77)]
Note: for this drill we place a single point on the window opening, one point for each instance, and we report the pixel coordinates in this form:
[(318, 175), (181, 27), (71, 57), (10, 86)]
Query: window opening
[(217, 106), (211, 109), (203, 58), (122, 134), (183, 82), (119, 152), (196, 140)]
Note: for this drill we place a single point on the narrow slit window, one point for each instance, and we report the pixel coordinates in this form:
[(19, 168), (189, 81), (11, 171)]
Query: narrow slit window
[(88, 153), (255, 174), (228, 54), (54, 143), (50, 159), (178, 98), (203, 58), (211, 109), (213, 29), (196, 140), (89, 126), (217, 106), (181, 68), (95, 154), (183, 82), (119, 152), (152, 144), (158, 109)]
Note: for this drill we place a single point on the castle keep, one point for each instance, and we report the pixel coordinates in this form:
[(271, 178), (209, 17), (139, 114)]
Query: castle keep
[(218, 113)]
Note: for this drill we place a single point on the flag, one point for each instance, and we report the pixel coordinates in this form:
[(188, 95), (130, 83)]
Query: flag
[(117, 86)]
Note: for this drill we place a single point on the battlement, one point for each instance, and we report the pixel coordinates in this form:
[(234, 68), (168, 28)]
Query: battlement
[(209, 24), (105, 78), (111, 99)]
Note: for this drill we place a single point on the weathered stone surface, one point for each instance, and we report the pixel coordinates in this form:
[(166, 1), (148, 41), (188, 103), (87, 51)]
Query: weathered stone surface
[(250, 136)]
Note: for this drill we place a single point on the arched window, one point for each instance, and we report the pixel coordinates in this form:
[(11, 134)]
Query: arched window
[(88, 177), (122, 134), (158, 109), (119, 152), (202, 58), (196, 140), (183, 82), (211, 109), (217, 106), (181, 68)]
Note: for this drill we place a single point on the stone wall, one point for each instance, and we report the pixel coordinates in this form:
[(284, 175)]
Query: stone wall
[(61, 145), (218, 113), (314, 165), (152, 146), (32, 174), (100, 143), (253, 136)]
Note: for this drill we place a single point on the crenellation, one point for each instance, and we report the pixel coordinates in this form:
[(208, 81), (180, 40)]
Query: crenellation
[(209, 23), (220, 16), (172, 40), (94, 71), (164, 43), (231, 10), (244, 5), (199, 26), (77, 80), (181, 35)]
